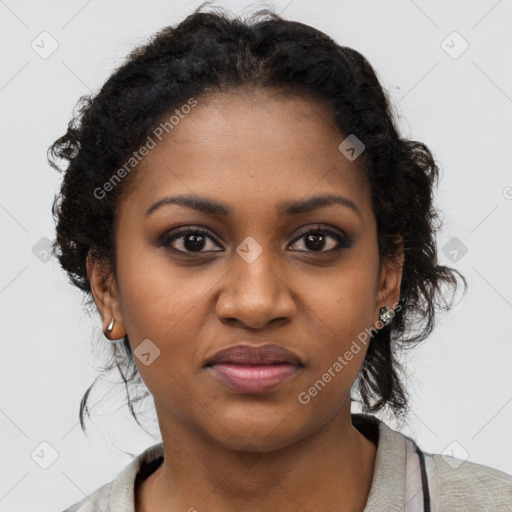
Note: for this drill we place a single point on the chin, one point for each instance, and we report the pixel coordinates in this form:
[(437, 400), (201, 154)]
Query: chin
[(255, 429)]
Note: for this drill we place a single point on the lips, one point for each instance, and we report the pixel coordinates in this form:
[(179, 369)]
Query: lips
[(254, 369), (247, 354)]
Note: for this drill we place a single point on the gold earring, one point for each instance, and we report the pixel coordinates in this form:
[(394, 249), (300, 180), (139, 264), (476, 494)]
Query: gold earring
[(110, 326)]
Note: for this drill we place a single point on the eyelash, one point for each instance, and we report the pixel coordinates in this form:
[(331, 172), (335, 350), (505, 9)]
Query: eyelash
[(344, 241)]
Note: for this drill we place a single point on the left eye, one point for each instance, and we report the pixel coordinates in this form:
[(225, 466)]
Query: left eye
[(317, 240)]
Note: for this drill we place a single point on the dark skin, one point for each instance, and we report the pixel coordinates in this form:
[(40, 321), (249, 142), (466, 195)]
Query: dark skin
[(250, 151)]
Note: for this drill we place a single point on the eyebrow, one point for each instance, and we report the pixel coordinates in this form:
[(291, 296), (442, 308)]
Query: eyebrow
[(294, 207)]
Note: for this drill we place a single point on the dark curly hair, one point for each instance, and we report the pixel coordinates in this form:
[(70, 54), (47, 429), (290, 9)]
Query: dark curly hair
[(212, 50)]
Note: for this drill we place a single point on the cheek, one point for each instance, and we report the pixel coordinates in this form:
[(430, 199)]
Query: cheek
[(346, 315), (346, 300), (155, 295), (166, 305), (343, 308)]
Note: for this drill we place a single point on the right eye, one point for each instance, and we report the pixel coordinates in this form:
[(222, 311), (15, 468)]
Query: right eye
[(190, 240)]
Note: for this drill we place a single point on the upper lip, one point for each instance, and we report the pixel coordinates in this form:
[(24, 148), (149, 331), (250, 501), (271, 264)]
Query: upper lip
[(251, 354)]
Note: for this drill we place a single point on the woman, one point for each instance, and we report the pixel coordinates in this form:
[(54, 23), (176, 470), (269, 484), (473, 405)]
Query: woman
[(259, 241)]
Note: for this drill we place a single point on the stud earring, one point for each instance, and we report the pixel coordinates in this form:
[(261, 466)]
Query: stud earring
[(386, 314)]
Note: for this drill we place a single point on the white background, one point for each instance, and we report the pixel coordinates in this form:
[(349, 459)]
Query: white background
[(459, 379)]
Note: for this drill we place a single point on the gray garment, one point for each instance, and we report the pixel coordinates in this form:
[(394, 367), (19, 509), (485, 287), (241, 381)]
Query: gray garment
[(453, 484)]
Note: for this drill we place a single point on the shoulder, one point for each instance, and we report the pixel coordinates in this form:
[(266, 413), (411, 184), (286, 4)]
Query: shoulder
[(476, 486), (451, 483), (120, 492), (98, 500)]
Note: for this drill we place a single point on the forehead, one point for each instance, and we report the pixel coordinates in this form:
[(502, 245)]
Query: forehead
[(260, 146)]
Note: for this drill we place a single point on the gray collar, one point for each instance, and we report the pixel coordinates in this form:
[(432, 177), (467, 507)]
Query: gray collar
[(386, 492)]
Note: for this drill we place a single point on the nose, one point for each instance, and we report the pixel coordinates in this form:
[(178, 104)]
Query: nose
[(254, 294)]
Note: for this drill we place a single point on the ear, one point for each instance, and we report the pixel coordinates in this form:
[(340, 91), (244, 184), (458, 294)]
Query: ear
[(390, 279), (106, 295)]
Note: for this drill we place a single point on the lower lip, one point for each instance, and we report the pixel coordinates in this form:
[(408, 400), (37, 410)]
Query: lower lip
[(253, 378)]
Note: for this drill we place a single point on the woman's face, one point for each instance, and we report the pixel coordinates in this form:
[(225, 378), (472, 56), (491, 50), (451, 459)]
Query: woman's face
[(267, 271)]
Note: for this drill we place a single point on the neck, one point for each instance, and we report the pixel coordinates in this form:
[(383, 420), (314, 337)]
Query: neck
[(331, 469)]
